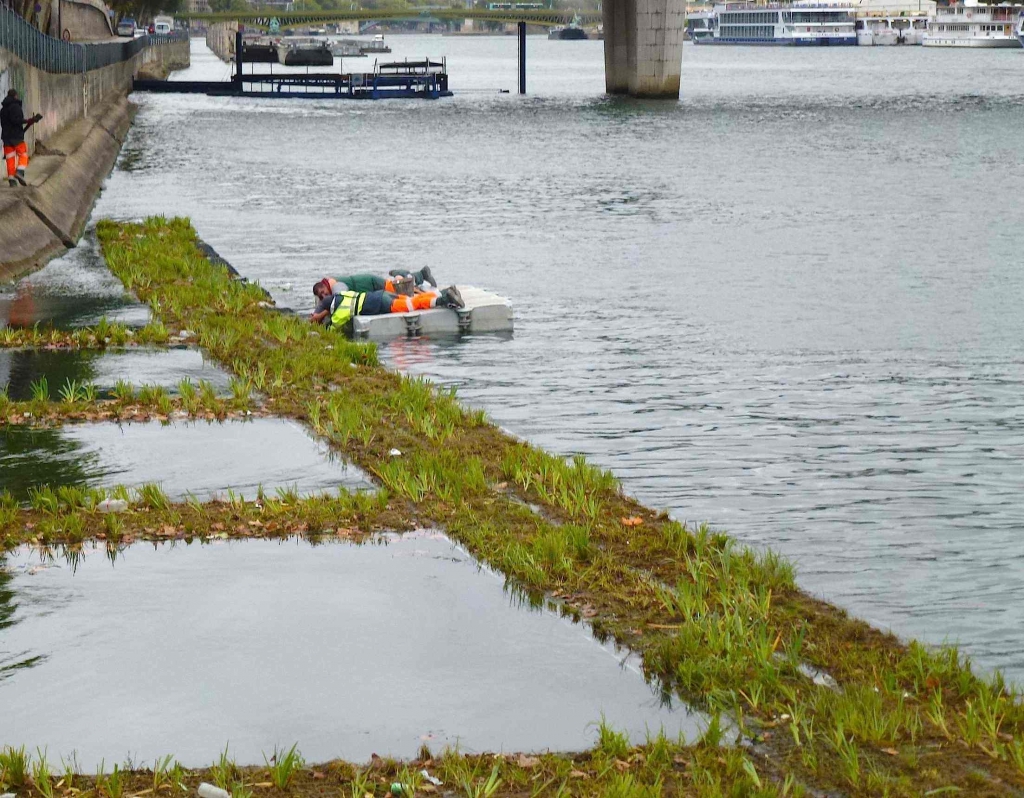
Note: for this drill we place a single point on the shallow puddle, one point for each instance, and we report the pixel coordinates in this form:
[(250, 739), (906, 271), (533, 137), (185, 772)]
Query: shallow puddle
[(201, 458), (20, 369), (74, 290), (347, 650)]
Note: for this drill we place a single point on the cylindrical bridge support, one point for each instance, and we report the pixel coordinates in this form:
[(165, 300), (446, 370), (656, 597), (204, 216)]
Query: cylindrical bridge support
[(522, 58)]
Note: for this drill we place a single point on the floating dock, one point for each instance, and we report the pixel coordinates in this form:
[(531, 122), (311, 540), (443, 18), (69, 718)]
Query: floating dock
[(484, 313), (426, 79)]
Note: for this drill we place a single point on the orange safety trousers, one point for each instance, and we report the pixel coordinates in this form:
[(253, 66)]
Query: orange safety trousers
[(405, 304), (16, 157)]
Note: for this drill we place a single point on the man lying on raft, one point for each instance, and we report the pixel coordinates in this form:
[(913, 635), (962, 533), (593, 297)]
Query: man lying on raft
[(326, 288), (345, 306)]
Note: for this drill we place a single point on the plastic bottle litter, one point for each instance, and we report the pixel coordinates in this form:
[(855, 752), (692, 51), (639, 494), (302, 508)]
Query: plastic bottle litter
[(209, 791), (8, 795), (397, 788), (112, 506), (432, 779)]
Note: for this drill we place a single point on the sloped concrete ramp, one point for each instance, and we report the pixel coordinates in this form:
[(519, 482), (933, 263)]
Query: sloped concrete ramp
[(484, 313)]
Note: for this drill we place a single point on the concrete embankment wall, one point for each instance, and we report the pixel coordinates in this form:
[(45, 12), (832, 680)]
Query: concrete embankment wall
[(85, 120), (220, 37)]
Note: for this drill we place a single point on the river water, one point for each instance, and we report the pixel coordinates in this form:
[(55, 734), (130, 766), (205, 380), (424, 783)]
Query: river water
[(788, 305)]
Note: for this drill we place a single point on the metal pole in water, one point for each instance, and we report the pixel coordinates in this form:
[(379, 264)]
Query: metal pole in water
[(238, 59), (522, 58)]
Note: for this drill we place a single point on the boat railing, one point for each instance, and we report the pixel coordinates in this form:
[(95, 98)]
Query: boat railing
[(424, 66)]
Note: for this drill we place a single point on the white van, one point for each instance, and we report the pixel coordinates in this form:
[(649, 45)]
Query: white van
[(163, 25)]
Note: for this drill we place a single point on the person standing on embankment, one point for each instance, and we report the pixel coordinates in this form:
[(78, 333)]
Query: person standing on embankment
[(12, 130)]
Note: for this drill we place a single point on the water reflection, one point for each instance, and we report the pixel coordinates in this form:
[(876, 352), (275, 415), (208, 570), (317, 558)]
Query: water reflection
[(238, 456), (23, 369), (352, 650), (33, 457), (74, 290)]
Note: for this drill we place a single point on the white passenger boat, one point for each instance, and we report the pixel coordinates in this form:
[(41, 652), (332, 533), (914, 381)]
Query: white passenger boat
[(880, 30), (806, 23), (698, 24), (973, 25)]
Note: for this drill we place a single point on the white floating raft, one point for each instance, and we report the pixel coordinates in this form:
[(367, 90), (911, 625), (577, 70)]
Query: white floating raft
[(484, 313)]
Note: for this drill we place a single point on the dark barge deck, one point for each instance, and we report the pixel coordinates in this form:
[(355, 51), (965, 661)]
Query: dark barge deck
[(313, 85)]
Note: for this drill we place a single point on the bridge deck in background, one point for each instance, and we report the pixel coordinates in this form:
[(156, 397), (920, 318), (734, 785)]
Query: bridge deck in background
[(484, 313)]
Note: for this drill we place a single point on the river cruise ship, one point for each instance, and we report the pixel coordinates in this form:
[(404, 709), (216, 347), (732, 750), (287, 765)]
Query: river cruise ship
[(881, 30), (974, 25), (807, 23)]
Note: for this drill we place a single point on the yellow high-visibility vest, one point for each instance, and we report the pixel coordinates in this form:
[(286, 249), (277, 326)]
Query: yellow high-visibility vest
[(345, 306)]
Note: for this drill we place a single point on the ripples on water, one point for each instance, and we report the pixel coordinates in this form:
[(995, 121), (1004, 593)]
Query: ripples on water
[(788, 305)]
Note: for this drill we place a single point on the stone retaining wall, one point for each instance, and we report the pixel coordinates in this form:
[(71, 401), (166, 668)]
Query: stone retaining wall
[(62, 99), (220, 37), (85, 120)]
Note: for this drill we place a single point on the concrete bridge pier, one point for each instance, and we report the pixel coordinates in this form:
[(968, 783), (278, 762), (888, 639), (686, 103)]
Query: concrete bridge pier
[(643, 47)]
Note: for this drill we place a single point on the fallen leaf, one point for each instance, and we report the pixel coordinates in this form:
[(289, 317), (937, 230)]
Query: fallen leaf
[(633, 521), (578, 774), (527, 761), (318, 775), (621, 766), (890, 751)]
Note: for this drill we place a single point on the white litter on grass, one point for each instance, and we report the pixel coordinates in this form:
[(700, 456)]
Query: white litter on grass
[(395, 453), (209, 791), (112, 506)]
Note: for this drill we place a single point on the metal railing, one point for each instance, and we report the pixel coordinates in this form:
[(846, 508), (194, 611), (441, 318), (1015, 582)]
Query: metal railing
[(53, 55)]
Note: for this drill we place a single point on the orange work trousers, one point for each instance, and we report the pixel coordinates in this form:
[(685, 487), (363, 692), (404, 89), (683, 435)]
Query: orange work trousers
[(405, 304), (16, 157)]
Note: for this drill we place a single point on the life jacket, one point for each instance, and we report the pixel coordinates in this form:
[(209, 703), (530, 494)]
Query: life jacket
[(345, 306)]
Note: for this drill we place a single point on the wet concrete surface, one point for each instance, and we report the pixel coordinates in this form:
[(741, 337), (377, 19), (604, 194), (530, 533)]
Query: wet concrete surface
[(347, 650), (20, 368), (201, 458), (74, 290)]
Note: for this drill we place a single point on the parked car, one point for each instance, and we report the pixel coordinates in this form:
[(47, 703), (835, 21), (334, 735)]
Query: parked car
[(126, 27), (163, 25)]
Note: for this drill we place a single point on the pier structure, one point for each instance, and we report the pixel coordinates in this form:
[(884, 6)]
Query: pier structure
[(643, 39), (643, 47)]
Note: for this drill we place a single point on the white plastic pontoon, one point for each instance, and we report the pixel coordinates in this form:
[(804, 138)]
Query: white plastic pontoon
[(484, 313)]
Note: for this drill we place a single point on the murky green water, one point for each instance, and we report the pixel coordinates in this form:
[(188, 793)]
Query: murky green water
[(347, 650)]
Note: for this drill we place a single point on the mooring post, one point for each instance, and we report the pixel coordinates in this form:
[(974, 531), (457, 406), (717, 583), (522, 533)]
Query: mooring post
[(238, 59), (522, 58)]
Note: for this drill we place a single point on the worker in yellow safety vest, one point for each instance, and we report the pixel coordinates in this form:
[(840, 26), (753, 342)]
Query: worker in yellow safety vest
[(349, 304)]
